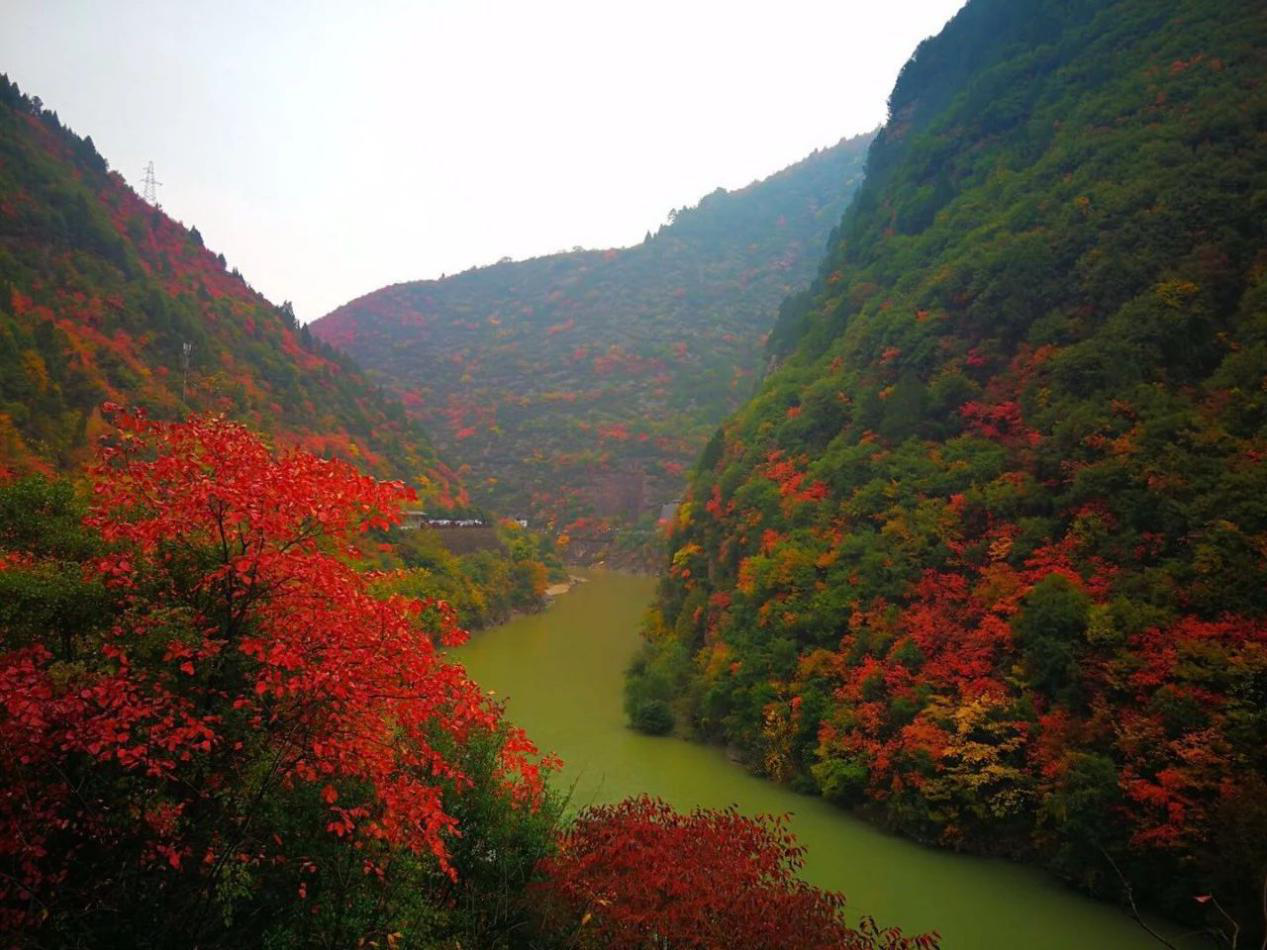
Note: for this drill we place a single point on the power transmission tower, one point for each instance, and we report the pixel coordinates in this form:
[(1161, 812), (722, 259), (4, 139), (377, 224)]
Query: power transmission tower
[(185, 350), (150, 186)]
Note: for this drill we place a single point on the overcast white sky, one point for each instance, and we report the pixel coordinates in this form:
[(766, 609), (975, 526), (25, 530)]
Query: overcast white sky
[(327, 149)]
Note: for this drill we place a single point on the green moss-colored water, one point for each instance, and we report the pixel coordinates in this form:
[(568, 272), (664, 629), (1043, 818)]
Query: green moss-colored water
[(561, 672)]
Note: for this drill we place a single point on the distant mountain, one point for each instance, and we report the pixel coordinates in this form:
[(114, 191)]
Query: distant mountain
[(580, 385), (986, 556), (103, 297)]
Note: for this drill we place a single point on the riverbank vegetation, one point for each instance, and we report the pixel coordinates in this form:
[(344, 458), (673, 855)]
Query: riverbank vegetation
[(985, 557), (219, 729), (484, 587), (638, 874)]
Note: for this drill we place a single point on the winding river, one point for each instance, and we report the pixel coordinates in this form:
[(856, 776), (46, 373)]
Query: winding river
[(561, 673)]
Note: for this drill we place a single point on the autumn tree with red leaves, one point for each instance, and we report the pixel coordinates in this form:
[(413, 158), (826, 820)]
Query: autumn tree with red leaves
[(640, 874), (241, 737)]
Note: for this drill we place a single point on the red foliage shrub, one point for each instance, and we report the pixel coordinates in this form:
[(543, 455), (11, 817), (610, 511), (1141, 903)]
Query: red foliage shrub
[(640, 874)]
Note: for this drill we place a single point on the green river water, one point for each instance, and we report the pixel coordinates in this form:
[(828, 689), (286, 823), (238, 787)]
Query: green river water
[(561, 672)]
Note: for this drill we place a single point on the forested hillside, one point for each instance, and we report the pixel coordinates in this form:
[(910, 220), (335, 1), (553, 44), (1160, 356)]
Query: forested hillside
[(100, 294), (579, 386), (987, 555)]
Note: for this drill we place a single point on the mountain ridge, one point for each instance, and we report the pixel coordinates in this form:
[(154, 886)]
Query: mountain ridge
[(983, 558), (578, 376), (101, 293)]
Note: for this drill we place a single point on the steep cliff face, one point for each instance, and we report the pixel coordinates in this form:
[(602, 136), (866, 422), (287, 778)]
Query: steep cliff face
[(579, 386), (103, 297), (987, 554)]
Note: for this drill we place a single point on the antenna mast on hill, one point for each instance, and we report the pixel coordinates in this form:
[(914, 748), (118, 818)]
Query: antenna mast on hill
[(150, 186)]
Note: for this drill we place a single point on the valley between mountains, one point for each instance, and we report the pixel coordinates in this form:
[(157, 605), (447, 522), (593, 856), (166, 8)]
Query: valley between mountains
[(917, 491)]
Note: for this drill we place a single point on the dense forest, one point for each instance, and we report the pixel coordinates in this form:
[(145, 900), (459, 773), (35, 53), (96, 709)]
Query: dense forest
[(104, 297), (986, 556), (219, 728), (578, 387)]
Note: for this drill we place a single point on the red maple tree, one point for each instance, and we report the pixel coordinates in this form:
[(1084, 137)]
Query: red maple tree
[(247, 669)]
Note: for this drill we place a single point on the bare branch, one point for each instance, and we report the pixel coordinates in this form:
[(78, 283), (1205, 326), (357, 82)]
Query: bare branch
[(1130, 899)]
